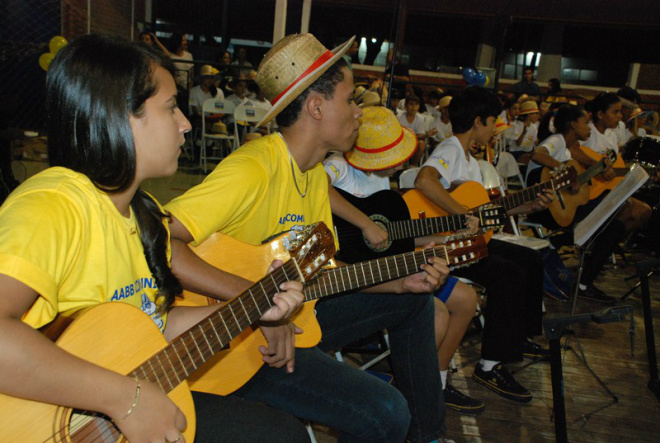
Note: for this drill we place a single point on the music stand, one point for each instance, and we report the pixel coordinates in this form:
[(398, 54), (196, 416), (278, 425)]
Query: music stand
[(587, 230), (555, 327)]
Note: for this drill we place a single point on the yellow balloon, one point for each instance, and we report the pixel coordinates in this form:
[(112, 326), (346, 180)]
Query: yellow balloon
[(44, 60), (487, 81), (57, 43)]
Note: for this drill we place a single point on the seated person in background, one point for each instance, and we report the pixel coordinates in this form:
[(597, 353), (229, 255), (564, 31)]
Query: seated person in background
[(204, 91), (277, 182), (527, 127), (83, 233), (630, 99), (512, 274), (442, 124), (571, 126), (432, 102), (412, 120), (510, 114), (605, 111), (367, 169)]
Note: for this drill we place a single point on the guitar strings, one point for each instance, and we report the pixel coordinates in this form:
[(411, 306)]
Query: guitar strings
[(83, 425)]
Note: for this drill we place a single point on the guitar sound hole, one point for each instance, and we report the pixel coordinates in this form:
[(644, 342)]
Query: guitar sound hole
[(381, 222)]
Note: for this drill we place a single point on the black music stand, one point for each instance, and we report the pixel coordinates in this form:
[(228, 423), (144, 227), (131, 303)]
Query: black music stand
[(588, 230), (555, 328), (643, 269)]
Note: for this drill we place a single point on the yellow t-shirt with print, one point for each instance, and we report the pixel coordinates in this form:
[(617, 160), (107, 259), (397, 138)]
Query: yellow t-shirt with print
[(65, 239), (251, 195)]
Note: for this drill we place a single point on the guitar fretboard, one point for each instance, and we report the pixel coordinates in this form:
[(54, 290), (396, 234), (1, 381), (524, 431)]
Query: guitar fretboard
[(360, 275), (527, 194), (169, 367), (401, 229)]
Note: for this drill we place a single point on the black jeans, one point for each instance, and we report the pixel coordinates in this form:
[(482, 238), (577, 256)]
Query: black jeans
[(513, 277)]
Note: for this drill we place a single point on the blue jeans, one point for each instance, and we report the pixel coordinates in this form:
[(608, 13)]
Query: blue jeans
[(362, 407)]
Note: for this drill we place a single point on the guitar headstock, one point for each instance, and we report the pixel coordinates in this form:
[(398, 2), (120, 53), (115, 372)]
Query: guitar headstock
[(563, 177), (311, 248), (465, 251), (491, 216)]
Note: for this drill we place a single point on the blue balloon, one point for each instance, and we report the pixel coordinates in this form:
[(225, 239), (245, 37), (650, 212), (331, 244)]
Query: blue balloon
[(480, 79), (469, 75)]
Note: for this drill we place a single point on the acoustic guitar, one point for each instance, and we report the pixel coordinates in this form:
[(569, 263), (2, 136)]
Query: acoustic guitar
[(474, 197), (564, 207), (389, 211), (598, 184), (141, 351), (230, 369)]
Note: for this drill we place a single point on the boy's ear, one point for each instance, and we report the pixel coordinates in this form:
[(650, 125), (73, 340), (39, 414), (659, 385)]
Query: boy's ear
[(313, 105), (477, 122)]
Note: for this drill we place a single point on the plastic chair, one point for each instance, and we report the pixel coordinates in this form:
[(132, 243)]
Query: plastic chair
[(213, 106), (249, 114), (407, 178), (508, 168)]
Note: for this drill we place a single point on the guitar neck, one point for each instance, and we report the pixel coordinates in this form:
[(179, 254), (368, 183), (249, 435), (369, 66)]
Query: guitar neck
[(591, 172), (169, 367), (420, 227), (360, 275), (523, 196)]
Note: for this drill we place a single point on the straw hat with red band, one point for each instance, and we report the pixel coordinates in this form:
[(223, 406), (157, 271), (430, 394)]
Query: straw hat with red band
[(500, 126), (529, 107), (637, 112), (382, 142), (289, 67)]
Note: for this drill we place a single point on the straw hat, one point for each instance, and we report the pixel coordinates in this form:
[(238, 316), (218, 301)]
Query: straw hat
[(444, 101), (219, 128), (529, 107), (359, 92), (500, 126), (208, 71), (637, 112), (370, 98), (382, 142), (290, 66)]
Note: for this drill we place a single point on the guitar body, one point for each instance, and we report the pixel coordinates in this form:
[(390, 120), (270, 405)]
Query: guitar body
[(598, 185), (470, 194), (382, 207), (123, 350), (564, 216), (228, 370)]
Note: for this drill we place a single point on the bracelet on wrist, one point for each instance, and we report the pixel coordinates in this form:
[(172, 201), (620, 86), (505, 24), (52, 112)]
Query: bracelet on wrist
[(136, 399)]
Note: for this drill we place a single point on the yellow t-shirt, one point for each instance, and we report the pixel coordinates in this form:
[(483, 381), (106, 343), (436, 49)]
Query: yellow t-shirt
[(251, 195), (65, 239)]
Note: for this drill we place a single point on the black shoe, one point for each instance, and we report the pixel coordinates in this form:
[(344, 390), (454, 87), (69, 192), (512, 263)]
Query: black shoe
[(594, 294), (501, 382), (535, 351), (456, 400)]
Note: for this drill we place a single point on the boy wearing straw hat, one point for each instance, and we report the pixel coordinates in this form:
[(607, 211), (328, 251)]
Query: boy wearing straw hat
[(381, 149), (512, 275), (276, 183)]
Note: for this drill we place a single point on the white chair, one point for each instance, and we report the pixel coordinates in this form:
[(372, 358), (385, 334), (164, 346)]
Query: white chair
[(214, 106), (407, 178), (249, 114), (508, 168)]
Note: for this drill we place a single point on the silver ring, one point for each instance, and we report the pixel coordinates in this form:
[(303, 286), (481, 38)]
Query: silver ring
[(174, 441)]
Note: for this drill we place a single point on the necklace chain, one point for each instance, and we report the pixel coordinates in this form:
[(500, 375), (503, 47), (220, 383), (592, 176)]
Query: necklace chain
[(293, 172)]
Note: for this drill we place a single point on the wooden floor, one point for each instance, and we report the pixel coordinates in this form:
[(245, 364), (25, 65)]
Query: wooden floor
[(592, 415)]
